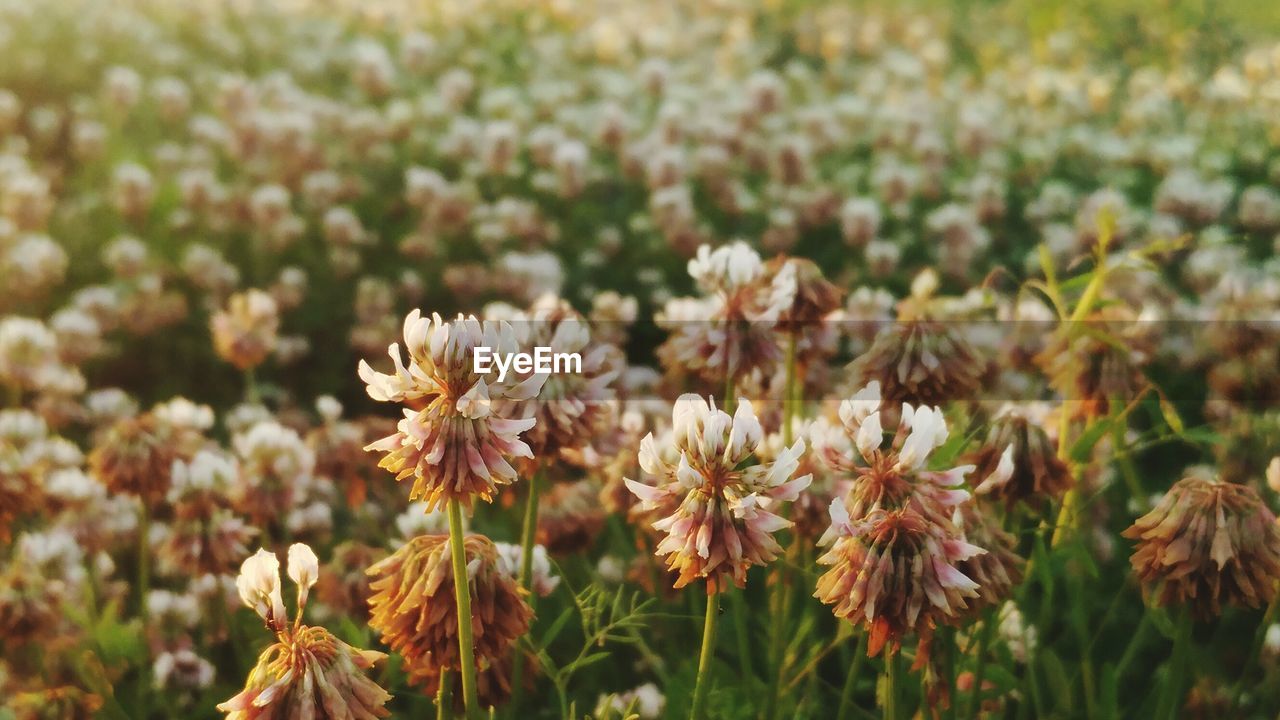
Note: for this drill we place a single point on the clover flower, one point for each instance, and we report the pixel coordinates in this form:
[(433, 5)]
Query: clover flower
[(542, 581), (136, 456), (730, 333), (570, 407), (307, 672), (1018, 462), (453, 441), (724, 520), (895, 572), (413, 608), (571, 518), (1206, 543), (892, 477), (998, 570), (244, 334)]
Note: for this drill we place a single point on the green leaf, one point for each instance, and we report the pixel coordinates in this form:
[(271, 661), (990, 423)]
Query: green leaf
[(1170, 413), (554, 631), (1083, 446), (1056, 674)]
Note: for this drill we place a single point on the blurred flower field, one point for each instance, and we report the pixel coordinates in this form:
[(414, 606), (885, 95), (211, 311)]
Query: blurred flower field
[(928, 360)]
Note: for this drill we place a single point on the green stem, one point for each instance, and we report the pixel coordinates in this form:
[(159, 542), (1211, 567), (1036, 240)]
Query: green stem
[(850, 680), (778, 628), (251, 386), (144, 560), (1255, 649), (980, 668), (462, 593), (703, 683), (1067, 514), (1171, 699), (729, 396), (528, 535), (789, 399), (890, 686), (738, 601), (444, 696)]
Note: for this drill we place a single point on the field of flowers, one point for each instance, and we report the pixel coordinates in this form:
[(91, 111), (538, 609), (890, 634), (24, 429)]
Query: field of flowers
[(928, 360)]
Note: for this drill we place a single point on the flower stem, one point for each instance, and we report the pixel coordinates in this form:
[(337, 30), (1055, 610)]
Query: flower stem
[(1171, 699), (251, 386), (855, 667), (729, 396), (144, 560), (708, 650), (778, 628), (1255, 649), (528, 534), (462, 592), (891, 686), (980, 669), (444, 696)]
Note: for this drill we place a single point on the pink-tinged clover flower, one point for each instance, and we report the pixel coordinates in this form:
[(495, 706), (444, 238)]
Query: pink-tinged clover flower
[(723, 522), (456, 439)]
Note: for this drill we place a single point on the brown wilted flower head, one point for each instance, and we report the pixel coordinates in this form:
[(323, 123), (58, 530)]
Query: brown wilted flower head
[(724, 522), (895, 573), (921, 359), (1205, 543), (307, 672), (813, 296), (570, 407), (344, 586), (730, 333), (244, 334), (414, 610), (135, 457), (1017, 461), (571, 517), (1097, 360), (996, 571), (453, 441)]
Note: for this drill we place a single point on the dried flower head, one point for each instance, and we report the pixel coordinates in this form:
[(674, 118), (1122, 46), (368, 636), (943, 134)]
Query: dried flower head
[(307, 672), (414, 610), (136, 456), (1205, 543), (1017, 461), (812, 295), (1098, 360), (344, 586), (453, 441), (723, 523), (244, 334), (920, 361)]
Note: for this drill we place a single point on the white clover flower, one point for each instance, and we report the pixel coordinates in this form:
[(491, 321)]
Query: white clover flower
[(259, 588)]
